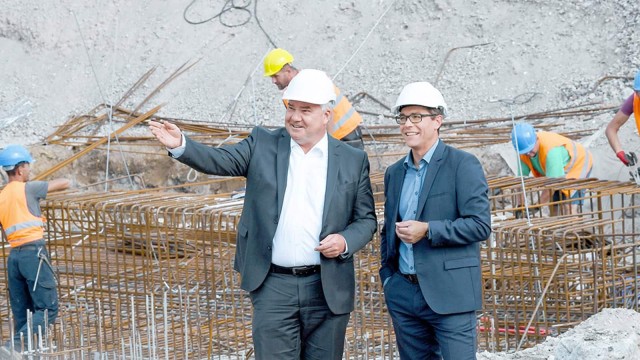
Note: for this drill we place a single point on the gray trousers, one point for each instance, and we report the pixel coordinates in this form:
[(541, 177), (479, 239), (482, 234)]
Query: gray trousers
[(291, 320)]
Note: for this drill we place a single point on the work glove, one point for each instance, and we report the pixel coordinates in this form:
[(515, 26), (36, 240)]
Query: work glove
[(627, 159)]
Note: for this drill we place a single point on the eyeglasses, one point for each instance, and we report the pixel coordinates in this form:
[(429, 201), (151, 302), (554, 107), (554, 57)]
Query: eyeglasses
[(414, 118)]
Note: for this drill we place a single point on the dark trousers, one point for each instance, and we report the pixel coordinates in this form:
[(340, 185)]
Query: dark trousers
[(22, 269), (354, 138), (423, 334), (291, 320)]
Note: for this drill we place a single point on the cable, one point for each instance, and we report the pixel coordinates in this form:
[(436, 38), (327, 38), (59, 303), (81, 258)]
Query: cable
[(255, 14), (229, 6)]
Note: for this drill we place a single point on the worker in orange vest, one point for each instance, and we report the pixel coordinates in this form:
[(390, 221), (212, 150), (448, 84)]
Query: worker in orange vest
[(31, 280), (552, 155), (631, 105), (345, 125)]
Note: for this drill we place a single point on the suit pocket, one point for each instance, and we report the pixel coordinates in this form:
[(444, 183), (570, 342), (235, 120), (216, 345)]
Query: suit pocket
[(461, 263), (438, 195), (241, 247)]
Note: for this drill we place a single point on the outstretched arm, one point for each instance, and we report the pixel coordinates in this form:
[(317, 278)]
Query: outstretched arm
[(167, 133), (58, 184)]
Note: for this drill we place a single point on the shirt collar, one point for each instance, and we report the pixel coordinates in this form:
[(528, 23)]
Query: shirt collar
[(408, 160), (321, 147)]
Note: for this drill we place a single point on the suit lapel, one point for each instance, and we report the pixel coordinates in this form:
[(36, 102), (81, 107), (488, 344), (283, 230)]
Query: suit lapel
[(432, 170), (333, 157), (397, 178), (282, 166)]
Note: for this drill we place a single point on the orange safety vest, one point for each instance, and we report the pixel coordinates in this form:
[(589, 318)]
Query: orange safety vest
[(345, 117), (636, 109), (20, 225), (580, 161)]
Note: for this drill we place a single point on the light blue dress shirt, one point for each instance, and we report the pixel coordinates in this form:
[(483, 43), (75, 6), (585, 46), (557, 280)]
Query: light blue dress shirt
[(411, 189)]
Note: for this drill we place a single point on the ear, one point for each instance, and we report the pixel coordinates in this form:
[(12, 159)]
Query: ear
[(438, 119), (326, 116)]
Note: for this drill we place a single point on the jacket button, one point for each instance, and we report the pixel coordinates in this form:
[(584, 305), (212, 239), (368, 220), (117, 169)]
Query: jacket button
[(275, 220), (269, 248)]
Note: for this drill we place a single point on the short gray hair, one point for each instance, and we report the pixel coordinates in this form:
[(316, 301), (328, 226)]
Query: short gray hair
[(328, 106)]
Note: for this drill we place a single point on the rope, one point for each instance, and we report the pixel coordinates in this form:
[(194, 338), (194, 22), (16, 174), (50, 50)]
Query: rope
[(109, 113), (519, 100), (363, 41)]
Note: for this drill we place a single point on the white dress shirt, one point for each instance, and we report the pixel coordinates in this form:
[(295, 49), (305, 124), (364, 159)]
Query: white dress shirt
[(300, 223)]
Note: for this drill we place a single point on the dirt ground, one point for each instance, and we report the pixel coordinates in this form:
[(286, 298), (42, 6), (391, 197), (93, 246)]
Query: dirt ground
[(62, 58)]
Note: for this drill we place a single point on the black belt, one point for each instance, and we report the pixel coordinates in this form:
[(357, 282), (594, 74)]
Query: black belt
[(413, 278), (296, 270)]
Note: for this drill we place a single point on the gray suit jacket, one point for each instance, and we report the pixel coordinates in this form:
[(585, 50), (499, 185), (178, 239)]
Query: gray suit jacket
[(263, 158), (454, 201)]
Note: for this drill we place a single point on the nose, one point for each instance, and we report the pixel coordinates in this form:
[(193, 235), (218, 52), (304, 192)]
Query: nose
[(292, 115), (273, 80)]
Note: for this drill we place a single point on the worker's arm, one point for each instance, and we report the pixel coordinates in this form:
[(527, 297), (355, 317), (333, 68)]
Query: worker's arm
[(167, 133), (58, 184), (612, 130)]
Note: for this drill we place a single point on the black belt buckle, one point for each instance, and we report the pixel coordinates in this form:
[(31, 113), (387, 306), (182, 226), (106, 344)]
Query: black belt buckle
[(413, 278), (305, 270), (296, 270)]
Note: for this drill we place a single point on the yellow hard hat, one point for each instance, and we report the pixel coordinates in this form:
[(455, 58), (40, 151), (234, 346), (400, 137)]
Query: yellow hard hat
[(275, 60)]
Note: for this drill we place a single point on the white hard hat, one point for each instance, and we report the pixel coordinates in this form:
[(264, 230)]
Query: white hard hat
[(311, 86), (420, 93)]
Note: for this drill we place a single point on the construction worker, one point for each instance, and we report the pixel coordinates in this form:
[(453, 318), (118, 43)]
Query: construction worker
[(552, 155), (31, 280), (345, 124), (631, 105)]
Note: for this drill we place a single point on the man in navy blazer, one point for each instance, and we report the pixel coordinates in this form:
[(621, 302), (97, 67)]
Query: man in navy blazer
[(308, 208), (436, 214)]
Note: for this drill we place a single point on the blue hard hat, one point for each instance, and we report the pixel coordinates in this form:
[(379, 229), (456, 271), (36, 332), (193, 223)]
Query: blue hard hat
[(636, 82), (12, 155), (523, 138)]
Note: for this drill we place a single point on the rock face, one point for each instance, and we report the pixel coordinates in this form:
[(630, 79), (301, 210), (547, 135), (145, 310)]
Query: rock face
[(609, 334)]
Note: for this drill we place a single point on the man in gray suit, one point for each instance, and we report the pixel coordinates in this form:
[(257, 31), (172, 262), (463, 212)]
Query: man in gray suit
[(436, 213), (308, 208)]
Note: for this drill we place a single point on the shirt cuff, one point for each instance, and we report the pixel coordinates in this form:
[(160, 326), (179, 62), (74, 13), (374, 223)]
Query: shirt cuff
[(178, 151), (345, 254)]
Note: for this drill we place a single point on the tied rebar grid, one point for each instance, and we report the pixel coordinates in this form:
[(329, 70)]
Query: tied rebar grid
[(148, 274), (543, 278)]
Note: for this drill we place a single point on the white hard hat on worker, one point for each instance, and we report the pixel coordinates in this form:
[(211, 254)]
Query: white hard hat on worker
[(310, 97), (419, 110)]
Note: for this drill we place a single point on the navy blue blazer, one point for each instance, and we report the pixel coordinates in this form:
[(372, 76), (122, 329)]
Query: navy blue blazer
[(263, 158), (455, 203)]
